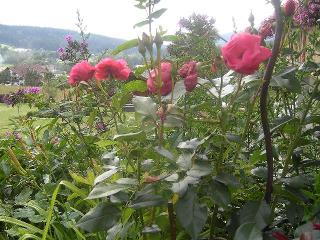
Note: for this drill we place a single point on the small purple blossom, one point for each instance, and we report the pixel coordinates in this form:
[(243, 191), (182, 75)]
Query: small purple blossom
[(32, 90), (69, 38), (60, 51), (101, 126), (16, 135), (84, 45)]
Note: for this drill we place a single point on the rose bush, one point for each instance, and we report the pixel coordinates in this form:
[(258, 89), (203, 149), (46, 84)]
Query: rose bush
[(190, 162)]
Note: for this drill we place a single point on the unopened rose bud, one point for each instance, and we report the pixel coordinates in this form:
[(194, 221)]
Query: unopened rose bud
[(213, 68), (198, 66), (161, 114), (251, 19), (141, 48), (146, 41), (151, 179), (158, 40)]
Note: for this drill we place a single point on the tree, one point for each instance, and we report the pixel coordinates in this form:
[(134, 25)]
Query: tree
[(32, 78), (5, 76), (195, 39)]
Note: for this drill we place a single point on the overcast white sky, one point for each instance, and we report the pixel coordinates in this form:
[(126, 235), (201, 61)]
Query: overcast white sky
[(116, 18)]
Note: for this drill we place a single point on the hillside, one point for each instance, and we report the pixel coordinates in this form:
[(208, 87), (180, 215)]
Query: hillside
[(49, 38)]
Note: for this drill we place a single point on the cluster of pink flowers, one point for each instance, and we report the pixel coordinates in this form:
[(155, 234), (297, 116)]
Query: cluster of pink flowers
[(190, 75), (106, 69), (304, 14), (166, 79), (188, 72)]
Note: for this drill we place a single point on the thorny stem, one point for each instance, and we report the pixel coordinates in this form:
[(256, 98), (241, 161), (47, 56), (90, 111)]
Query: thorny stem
[(264, 95), (172, 220), (159, 85)]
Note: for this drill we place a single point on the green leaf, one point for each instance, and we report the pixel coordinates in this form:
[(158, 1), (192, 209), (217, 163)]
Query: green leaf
[(182, 186), (170, 38), (294, 213), (191, 144), (154, 228), (145, 106), (105, 143), (141, 24), (25, 225), (258, 212), (104, 190), (260, 172), (220, 194), (248, 231), (105, 175), (136, 86), (233, 138), (120, 99), (164, 152), (137, 136), (191, 214), (158, 13), (124, 46), (147, 200), (91, 118), (172, 121), (24, 196), (100, 218), (127, 181), (287, 80), (200, 169), (228, 180), (185, 161)]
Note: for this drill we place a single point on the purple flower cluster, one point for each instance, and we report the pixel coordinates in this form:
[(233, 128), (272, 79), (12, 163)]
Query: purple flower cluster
[(32, 90), (75, 51), (307, 15), (19, 96), (69, 38)]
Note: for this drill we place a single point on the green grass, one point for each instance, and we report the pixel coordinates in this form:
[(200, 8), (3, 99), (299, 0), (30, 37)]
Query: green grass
[(7, 89), (8, 112)]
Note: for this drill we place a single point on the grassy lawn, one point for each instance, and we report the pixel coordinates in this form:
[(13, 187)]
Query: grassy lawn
[(7, 89), (8, 112)]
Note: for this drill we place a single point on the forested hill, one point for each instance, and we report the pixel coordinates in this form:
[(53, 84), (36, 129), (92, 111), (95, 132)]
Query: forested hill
[(49, 38)]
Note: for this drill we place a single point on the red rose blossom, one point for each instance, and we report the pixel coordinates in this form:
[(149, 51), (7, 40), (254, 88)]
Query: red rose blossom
[(166, 79), (316, 226), (189, 72), (244, 54), (109, 67), (279, 236), (82, 71), (290, 7)]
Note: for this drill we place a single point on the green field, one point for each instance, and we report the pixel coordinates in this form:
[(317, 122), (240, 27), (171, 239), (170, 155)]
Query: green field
[(7, 89), (8, 112)]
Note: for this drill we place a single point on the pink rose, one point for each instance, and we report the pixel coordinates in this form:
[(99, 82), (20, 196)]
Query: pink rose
[(243, 53), (189, 72), (166, 79), (82, 71), (109, 67)]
